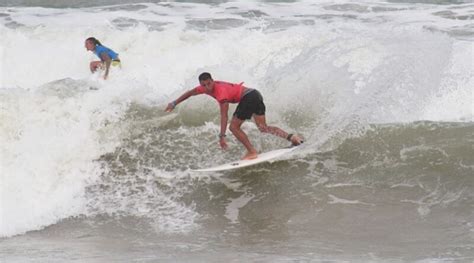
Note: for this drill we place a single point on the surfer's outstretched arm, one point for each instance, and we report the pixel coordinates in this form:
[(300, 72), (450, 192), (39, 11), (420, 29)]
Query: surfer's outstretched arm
[(181, 98)]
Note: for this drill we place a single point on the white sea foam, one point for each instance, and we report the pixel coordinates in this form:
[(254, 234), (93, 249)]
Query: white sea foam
[(338, 200), (232, 209), (48, 148)]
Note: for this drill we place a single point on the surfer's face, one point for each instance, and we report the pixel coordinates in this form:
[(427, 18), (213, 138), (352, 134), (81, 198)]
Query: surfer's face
[(208, 84), (89, 45)]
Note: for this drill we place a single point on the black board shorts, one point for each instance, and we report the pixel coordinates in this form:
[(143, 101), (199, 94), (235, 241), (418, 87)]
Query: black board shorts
[(251, 103)]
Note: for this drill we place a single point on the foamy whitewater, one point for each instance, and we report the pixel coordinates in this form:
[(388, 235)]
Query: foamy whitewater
[(96, 171)]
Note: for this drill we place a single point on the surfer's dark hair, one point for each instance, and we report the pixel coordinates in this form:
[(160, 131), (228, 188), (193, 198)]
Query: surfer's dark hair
[(205, 76), (94, 41)]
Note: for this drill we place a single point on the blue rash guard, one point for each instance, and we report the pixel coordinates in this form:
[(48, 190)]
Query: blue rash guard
[(101, 49)]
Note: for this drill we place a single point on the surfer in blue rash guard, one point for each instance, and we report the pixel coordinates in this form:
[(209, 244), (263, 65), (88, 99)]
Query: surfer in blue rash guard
[(107, 56), (250, 104)]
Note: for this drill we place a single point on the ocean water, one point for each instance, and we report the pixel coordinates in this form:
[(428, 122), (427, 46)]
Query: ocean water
[(96, 171)]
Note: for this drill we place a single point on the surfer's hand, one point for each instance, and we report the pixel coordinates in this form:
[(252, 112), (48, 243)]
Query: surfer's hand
[(223, 143), (170, 106)]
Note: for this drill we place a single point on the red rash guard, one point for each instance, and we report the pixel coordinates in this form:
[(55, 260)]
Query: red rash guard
[(223, 91)]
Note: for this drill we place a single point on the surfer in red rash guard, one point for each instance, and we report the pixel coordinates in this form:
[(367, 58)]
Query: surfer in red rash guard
[(250, 103)]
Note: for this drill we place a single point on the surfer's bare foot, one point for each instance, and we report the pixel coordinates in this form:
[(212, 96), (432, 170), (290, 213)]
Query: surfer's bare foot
[(250, 156), (295, 139)]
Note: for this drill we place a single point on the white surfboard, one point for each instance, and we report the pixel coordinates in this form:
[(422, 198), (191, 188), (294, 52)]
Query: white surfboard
[(262, 157)]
